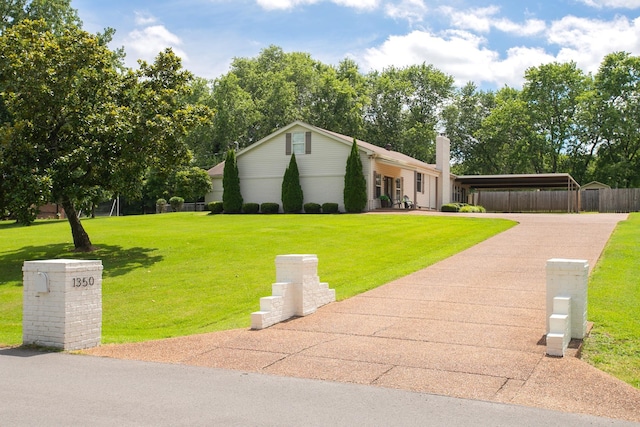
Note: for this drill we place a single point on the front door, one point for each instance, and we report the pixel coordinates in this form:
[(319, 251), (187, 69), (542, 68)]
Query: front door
[(388, 186)]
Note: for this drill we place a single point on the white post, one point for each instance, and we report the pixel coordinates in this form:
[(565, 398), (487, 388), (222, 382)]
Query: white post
[(569, 278), (62, 303), (443, 154)]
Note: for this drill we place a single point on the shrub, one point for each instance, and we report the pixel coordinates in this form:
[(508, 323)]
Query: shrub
[(330, 208), (472, 209), (292, 196), (161, 205), (250, 208), (452, 207), (176, 203), (312, 208), (215, 207), (231, 195), (355, 186), (269, 208)]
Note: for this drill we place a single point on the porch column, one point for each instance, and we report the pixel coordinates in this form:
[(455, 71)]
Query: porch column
[(443, 149)]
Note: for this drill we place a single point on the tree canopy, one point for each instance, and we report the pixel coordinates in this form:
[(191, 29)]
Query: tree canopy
[(561, 120), (77, 121)]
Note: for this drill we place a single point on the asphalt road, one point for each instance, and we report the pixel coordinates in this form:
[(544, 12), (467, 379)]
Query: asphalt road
[(56, 389)]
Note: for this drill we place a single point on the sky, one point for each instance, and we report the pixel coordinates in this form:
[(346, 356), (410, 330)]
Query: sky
[(488, 42)]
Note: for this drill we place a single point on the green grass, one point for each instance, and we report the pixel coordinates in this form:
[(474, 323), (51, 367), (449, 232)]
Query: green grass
[(185, 273), (614, 305)]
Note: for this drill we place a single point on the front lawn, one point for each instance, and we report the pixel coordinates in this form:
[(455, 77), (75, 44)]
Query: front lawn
[(185, 273), (614, 305)]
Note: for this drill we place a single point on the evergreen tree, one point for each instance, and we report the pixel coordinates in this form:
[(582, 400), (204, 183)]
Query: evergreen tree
[(292, 196), (355, 186), (231, 196)]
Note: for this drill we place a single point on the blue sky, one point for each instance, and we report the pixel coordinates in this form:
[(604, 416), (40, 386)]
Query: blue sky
[(488, 42)]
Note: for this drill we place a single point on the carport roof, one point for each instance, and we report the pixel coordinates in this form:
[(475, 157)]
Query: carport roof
[(549, 180)]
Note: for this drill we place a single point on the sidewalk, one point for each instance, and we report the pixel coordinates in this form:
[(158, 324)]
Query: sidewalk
[(471, 326)]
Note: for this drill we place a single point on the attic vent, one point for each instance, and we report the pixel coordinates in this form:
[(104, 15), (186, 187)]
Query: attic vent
[(388, 147)]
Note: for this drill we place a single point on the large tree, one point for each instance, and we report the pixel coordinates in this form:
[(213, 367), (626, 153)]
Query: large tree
[(77, 121), (617, 86), (552, 93), (57, 14), (462, 122)]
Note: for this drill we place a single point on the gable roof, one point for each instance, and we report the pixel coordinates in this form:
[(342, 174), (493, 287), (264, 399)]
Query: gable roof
[(595, 185), (390, 156)]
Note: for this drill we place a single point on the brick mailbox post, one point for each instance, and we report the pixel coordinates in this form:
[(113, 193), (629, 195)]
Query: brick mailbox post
[(62, 304)]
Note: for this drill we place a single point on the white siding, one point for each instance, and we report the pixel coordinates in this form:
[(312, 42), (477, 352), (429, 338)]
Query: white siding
[(321, 173), (216, 191)]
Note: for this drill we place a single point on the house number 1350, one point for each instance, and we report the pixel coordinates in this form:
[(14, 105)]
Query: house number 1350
[(79, 282)]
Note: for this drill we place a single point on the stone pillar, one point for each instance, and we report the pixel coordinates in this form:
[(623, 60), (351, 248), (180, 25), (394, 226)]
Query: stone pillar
[(62, 303), (569, 278)]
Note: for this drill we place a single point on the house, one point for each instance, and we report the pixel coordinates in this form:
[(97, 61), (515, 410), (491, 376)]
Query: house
[(321, 156), (595, 185)]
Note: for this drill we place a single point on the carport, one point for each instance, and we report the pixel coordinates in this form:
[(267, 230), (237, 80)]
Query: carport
[(509, 183)]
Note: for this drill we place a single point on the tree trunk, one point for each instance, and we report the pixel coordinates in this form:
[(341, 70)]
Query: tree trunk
[(81, 240)]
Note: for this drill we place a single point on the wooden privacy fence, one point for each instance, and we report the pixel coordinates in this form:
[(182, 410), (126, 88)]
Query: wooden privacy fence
[(617, 200), (602, 200)]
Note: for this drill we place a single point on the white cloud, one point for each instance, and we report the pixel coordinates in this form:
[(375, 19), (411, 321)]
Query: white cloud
[(482, 20), (144, 18), (148, 42), (290, 4), (587, 41), (621, 4), (358, 4), (531, 27), (468, 56), (479, 20), (282, 4), (458, 53), (411, 10)]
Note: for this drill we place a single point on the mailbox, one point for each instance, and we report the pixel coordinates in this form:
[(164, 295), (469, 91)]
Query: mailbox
[(41, 282)]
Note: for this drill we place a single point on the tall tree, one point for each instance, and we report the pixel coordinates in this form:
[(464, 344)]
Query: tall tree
[(618, 86), (78, 122), (405, 108), (292, 196), (190, 183), (339, 99), (551, 92), (507, 142), (57, 14), (462, 122), (231, 195), (355, 186)]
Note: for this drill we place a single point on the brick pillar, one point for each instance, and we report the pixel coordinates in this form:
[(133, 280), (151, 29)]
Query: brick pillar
[(62, 303), (297, 292), (569, 278)]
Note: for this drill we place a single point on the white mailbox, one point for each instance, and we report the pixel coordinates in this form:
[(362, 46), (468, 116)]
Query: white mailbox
[(41, 284)]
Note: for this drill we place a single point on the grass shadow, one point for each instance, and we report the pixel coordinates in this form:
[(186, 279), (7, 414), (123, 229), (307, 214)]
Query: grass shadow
[(12, 224), (116, 260)]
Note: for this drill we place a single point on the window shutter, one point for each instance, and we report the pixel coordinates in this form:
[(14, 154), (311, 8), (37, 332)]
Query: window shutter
[(307, 143), (287, 149)]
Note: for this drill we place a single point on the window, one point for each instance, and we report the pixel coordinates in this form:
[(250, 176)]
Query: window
[(298, 143), (398, 189), (419, 186), (378, 180)]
